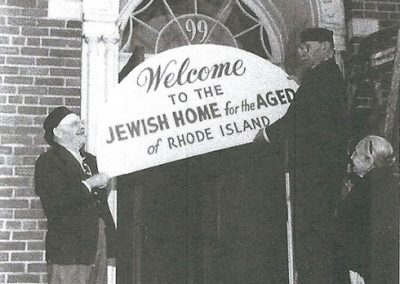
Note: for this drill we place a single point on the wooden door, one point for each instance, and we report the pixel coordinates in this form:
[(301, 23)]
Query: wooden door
[(216, 218)]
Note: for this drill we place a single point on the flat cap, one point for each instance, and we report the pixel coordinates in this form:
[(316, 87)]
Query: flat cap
[(316, 34), (52, 121)]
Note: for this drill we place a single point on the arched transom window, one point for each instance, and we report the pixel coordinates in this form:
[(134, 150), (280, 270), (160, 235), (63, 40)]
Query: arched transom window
[(159, 25)]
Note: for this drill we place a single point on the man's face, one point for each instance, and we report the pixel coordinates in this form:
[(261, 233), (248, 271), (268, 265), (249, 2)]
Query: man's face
[(71, 131), (311, 53), (362, 160)]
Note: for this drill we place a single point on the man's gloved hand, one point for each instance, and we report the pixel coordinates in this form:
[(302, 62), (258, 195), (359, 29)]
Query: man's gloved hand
[(97, 180)]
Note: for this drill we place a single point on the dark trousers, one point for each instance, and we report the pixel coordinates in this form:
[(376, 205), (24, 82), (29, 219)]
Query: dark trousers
[(315, 191), (95, 273)]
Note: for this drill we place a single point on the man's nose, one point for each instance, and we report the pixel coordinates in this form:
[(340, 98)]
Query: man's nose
[(82, 126), (301, 49), (302, 55)]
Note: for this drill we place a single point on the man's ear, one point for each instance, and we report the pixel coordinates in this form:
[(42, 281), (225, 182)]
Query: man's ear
[(57, 132), (370, 163)]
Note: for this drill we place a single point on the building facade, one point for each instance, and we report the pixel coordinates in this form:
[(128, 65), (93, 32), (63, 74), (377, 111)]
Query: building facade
[(66, 52)]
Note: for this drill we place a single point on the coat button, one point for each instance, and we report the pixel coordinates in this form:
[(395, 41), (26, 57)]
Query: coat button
[(95, 193)]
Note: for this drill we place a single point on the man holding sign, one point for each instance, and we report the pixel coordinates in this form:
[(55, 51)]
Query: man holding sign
[(315, 128), (81, 233)]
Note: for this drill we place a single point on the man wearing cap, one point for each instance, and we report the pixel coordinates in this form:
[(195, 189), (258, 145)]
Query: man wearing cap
[(81, 232), (315, 129)]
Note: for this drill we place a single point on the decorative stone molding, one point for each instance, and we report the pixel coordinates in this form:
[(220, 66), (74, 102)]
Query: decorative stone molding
[(101, 10), (265, 10), (273, 22), (99, 74), (330, 15), (99, 64), (331, 12), (126, 11), (99, 59)]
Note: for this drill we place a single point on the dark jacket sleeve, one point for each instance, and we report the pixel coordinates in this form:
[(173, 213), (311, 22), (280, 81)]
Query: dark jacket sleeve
[(315, 121), (322, 95), (55, 187), (278, 131), (101, 195)]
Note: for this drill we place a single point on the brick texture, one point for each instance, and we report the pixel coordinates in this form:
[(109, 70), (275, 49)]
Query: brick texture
[(39, 69), (386, 11)]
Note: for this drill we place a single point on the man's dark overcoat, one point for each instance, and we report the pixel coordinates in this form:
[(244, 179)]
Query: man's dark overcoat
[(368, 227), (72, 211), (316, 130)]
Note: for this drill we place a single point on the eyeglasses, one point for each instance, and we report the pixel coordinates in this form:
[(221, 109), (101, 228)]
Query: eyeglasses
[(303, 48), (307, 46)]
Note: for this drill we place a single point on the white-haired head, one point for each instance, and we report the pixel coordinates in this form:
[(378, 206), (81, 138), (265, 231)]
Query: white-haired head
[(372, 152)]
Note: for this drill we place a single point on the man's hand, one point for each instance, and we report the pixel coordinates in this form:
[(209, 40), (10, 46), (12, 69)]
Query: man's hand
[(346, 188), (292, 77), (260, 136), (97, 180), (111, 262)]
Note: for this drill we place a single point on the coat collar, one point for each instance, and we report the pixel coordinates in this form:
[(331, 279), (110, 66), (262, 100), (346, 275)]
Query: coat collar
[(69, 160), (318, 70)]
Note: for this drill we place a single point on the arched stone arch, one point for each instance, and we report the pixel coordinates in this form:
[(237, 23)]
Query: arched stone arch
[(273, 22), (266, 11), (100, 48), (324, 13)]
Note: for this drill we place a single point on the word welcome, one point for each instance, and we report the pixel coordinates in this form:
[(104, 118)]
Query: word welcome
[(171, 76)]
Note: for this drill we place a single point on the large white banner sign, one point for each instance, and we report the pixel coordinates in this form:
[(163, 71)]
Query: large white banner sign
[(189, 101)]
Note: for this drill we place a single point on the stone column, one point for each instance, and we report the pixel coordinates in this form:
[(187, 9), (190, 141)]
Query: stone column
[(331, 16), (99, 74), (99, 70)]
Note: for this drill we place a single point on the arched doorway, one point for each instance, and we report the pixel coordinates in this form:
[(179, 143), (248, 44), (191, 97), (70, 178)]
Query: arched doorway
[(155, 26), (224, 174), (215, 218)]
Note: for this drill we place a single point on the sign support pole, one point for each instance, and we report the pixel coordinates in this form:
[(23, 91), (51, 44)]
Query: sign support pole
[(289, 226)]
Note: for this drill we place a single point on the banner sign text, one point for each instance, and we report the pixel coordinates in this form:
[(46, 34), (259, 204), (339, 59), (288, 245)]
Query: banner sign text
[(189, 101)]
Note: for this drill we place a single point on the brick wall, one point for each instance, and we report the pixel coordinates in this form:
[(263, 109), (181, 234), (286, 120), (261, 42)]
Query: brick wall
[(386, 11), (39, 70)]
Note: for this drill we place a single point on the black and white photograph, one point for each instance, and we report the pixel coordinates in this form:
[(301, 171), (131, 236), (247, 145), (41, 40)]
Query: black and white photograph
[(199, 141)]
